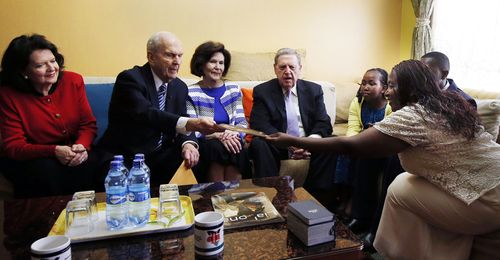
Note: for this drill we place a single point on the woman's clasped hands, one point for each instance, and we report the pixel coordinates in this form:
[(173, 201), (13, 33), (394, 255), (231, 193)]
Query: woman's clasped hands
[(230, 140), (71, 155)]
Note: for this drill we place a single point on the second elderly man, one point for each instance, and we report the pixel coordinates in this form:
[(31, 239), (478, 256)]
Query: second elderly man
[(289, 104)]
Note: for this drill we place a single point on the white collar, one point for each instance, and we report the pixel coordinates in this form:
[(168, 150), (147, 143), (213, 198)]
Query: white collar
[(447, 85), (158, 81), (293, 90)]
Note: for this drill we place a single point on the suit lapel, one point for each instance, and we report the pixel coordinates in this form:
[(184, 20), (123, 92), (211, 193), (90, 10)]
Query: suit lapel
[(302, 93), (150, 84), (170, 98), (280, 102)]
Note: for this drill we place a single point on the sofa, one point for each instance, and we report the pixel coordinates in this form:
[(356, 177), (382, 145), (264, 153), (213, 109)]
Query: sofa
[(337, 99), (99, 91)]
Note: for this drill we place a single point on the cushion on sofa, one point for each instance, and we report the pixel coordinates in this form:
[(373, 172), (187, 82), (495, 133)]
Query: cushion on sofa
[(247, 98), (489, 112), (247, 94), (487, 95), (345, 92), (482, 94), (248, 66)]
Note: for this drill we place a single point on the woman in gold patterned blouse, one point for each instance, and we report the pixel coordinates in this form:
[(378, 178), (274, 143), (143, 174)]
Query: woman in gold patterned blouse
[(447, 204)]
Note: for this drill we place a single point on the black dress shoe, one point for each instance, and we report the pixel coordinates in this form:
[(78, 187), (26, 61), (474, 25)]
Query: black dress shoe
[(368, 241), (358, 226)]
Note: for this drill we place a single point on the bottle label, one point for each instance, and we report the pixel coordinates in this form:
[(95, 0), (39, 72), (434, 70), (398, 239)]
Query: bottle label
[(138, 196), (116, 199)]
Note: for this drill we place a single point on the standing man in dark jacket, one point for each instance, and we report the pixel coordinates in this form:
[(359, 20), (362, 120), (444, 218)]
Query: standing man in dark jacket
[(440, 66), (147, 113)]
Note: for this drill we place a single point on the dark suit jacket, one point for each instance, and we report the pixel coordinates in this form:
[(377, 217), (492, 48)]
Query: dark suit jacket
[(135, 121), (269, 115), (454, 87)]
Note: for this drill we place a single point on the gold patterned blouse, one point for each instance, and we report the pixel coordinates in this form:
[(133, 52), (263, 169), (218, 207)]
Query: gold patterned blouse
[(464, 168)]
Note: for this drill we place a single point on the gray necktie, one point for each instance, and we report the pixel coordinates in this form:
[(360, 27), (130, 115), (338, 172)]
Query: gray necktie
[(292, 122)]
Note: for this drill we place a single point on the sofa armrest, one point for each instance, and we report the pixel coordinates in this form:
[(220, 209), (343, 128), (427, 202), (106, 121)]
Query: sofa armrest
[(488, 108)]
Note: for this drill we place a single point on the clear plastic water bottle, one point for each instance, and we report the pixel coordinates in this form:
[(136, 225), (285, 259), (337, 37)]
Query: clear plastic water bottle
[(145, 167), (116, 185), (120, 158), (139, 194)]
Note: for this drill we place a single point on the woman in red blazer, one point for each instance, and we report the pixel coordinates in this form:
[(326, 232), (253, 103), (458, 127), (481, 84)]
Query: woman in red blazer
[(46, 122)]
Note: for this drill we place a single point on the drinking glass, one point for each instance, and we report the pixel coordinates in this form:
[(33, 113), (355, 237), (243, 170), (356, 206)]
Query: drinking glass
[(90, 195), (169, 204), (78, 218)]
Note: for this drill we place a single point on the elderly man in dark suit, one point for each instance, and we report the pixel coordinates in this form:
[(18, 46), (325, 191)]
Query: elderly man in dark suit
[(147, 112), (289, 104)]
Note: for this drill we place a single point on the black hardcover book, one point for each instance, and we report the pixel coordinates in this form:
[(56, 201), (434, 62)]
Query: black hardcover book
[(310, 212)]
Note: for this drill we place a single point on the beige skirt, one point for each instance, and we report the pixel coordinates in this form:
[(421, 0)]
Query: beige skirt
[(421, 221)]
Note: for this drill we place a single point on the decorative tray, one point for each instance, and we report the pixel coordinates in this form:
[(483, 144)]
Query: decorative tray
[(101, 232)]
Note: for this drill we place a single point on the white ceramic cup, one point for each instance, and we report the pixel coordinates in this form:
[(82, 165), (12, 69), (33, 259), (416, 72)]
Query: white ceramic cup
[(51, 248), (208, 233)]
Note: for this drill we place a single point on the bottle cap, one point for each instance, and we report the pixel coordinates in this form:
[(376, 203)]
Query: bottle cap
[(139, 156), (138, 162), (115, 163)]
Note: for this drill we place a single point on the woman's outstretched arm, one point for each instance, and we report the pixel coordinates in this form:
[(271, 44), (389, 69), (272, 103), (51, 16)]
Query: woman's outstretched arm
[(369, 143)]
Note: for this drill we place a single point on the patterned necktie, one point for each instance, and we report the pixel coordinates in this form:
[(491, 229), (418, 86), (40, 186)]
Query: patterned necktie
[(292, 122), (161, 96), (161, 104)]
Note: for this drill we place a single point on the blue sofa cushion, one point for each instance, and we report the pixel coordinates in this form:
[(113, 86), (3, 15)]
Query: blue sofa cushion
[(99, 96)]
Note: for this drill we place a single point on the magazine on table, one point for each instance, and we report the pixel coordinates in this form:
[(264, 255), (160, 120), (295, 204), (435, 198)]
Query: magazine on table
[(244, 209)]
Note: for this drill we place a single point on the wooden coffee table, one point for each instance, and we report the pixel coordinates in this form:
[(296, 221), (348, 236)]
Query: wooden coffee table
[(29, 219)]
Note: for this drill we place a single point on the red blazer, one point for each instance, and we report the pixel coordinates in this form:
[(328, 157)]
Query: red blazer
[(32, 125)]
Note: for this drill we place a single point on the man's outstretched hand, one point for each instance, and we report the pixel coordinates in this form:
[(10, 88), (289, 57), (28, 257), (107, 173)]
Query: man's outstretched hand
[(203, 125)]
